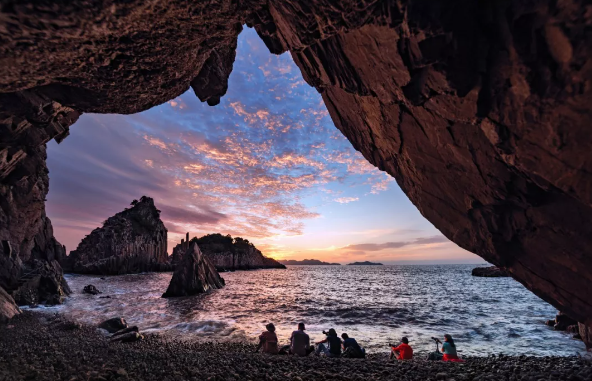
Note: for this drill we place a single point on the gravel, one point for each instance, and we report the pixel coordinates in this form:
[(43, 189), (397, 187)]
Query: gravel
[(37, 346)]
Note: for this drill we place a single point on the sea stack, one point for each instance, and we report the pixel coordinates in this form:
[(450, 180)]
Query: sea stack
[(132, 241), (228, 254), (194, 274)]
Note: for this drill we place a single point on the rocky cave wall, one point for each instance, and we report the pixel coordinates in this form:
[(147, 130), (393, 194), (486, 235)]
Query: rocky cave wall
[(480, 110)]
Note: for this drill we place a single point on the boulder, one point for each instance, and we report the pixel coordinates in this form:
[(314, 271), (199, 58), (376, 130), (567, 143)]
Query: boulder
[(490, 272), (8, 308), (562, 322), (126, 330), (41, 282), (227, 253), (194, 274), (128, 337), (114, 324), (90, 289), (132, 241)]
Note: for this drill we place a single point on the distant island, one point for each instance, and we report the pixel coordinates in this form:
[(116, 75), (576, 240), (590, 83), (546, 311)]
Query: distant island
[(365, 263), (308, 262)]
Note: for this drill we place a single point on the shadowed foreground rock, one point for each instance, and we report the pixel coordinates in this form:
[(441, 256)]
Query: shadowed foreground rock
[(480, 110), (228, 254), (194, 274), (8, 308), (489, 272), (131, 241)]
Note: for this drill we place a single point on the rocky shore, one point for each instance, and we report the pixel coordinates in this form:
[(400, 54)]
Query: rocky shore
[(49, 347)]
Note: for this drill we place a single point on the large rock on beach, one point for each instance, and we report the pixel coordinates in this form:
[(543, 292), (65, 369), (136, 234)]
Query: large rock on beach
[(114, 325), (480, 110), (228, 254), (194, 274), (8, 308), (489, 272), (41, 282), (132, 241)]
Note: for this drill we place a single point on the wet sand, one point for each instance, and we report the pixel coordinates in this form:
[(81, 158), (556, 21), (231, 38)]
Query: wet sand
[(38, 346)]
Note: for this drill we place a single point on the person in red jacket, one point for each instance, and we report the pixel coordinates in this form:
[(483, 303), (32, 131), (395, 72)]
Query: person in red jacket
[(403, 351)]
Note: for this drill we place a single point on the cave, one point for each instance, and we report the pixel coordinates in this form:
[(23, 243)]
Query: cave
[(479, 110)]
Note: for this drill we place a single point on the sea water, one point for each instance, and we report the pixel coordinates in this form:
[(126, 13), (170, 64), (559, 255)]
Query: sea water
[(377, 305)]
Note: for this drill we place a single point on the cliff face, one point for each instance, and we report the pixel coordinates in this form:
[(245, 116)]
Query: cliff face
[(194, 274), (227, 253), (131, 241), (28, 249), (480, 110)]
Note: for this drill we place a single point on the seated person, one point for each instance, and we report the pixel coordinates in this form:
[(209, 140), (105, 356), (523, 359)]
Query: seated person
[(300, 342), (334, 345), (449, 350), (351, 348), (403, 351), (268, 340)]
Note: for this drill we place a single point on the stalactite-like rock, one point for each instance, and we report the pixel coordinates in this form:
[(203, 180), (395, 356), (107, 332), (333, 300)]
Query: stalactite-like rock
[(194, 274), (131, 241), (227, 253)]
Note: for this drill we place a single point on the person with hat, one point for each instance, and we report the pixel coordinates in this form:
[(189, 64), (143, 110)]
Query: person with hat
[(403, 351), (268, 340), (300, 342), (333, 348)]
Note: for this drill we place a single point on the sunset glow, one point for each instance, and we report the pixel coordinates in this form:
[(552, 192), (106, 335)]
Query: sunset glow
[(266, 164)]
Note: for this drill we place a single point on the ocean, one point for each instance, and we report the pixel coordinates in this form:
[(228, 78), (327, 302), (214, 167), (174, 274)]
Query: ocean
[(377, 305)]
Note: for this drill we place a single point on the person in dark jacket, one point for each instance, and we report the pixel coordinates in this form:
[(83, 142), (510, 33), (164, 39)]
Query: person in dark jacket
[(351, 348), (333, 347)]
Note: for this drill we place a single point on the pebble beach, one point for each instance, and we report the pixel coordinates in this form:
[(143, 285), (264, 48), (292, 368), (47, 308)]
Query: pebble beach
[(37, 346)]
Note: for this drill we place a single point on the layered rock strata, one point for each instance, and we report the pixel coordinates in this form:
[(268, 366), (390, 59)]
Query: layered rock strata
[(194, 274), (480, 110), (227, 253), (132, 241)]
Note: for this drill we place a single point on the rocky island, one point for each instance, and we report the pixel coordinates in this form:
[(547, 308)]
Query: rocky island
[(227, 253), (132, 241), (490, 272), (307, 262), (365, 263)]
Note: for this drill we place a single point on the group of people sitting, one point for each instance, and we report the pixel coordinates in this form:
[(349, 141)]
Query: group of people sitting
[(404, 351), (333, 346)]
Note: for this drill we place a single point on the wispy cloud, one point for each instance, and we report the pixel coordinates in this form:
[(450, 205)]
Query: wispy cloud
[(364, 247), (346, 200), (244, 167)]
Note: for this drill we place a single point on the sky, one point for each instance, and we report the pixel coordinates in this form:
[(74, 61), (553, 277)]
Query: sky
[(266, 164)]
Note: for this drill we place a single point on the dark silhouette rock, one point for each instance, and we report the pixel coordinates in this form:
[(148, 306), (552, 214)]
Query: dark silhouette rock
[(479, 110), (131, 241), (307, 262), (227, 253), (194, 274), (114, 324), (8, 308), (489, 272), (128, 337), (365, 263), (126, 330), (562, 322), (41, 282), (90, 289)]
